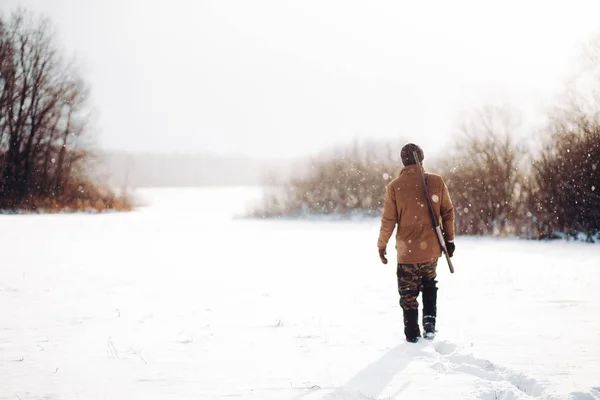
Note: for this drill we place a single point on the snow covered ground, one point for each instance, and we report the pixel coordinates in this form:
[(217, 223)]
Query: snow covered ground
[(180, 300)]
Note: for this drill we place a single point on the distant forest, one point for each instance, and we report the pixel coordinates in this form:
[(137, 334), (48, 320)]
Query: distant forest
[(137, 170)]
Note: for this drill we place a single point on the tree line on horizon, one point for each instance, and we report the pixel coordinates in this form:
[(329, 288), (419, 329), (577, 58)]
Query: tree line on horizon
[(499, 186)]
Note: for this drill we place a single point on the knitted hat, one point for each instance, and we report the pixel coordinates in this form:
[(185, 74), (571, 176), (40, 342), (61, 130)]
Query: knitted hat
[(407, 154)]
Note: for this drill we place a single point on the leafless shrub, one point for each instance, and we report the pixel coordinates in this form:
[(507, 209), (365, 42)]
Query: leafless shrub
[(346, 181)]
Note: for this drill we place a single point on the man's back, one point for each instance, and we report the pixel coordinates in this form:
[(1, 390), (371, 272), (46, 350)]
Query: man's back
[(406, 205)]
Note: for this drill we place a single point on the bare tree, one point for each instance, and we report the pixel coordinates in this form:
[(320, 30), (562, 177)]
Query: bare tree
[(43, 118), (484, 173), (566, 173)]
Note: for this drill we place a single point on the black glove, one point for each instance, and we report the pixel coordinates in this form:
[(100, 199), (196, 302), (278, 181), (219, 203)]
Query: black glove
[(450, 247), (382, 253)]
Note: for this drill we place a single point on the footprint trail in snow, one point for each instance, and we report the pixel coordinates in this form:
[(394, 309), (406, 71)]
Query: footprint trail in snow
[(439, 370)]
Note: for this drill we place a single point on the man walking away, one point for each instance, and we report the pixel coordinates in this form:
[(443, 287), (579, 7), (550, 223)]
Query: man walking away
[(417, 243)]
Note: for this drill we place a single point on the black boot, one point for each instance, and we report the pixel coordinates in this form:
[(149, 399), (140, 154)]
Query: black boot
[(429, 291), (411, 325)]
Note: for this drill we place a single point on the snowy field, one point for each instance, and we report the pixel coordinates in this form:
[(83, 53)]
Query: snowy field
[(180, 300)]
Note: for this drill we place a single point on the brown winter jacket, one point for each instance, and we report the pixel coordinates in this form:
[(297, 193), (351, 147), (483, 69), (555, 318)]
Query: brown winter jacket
[(405, 205)]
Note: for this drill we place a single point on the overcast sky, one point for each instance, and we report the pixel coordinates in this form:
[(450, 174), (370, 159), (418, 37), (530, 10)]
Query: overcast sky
[(280, 78)]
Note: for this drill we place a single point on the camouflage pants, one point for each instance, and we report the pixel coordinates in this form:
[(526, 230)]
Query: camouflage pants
[(412, 278)]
